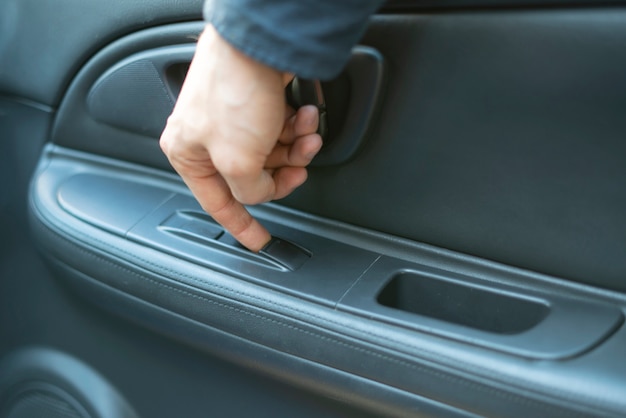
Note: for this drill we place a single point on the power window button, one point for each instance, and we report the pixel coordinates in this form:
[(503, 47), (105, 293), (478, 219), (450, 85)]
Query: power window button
[(285, 253)]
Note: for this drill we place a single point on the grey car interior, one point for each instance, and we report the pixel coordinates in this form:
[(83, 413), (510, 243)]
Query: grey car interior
[(459, 248)]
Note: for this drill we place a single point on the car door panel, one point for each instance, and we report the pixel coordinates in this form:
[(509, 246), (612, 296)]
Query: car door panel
[(464, 258), (283, 316)]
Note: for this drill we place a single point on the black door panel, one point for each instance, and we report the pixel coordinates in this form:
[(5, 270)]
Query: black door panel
[(464, 258)]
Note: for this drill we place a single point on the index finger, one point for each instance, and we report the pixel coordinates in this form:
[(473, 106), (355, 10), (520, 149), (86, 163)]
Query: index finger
[(215, 197)]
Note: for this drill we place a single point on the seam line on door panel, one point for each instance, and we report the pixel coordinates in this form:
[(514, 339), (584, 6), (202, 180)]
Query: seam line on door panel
[(357, 280)]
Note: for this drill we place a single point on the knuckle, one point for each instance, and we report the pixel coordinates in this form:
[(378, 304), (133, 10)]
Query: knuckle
[(234, 166)]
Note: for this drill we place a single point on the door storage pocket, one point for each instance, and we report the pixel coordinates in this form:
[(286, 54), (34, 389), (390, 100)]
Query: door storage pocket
[(499, 313), (457, 303)]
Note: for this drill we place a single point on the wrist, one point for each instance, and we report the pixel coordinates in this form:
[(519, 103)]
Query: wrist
[(211, 42)]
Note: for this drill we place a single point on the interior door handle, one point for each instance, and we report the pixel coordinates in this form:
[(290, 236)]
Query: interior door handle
[(347, 105), (301, 92), (138, 94)]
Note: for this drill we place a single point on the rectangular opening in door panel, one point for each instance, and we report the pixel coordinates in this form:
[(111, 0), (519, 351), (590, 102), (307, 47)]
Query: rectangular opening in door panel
[(461, 304)]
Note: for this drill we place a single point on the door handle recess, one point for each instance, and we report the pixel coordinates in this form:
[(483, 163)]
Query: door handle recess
[(138, 94)]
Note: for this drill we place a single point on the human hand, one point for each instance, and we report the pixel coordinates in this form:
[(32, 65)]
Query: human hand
[(233, 139)]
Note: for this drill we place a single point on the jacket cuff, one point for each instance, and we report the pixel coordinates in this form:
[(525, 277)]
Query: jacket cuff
[(310, 38)]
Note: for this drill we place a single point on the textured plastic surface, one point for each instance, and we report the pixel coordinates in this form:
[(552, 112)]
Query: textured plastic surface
[(515, 320), (136, 94), (134, 98)]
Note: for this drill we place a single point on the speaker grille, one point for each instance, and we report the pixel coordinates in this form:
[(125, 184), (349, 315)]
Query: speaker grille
[(37, 382), (41, 404)]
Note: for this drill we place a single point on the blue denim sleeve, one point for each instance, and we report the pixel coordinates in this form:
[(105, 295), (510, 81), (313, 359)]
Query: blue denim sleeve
[(311, 38)]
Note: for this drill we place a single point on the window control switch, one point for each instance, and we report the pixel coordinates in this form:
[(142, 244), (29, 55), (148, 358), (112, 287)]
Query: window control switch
[(285, 253)]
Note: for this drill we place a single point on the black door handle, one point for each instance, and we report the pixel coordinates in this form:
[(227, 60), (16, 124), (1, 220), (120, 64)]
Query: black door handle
[(301, 92)]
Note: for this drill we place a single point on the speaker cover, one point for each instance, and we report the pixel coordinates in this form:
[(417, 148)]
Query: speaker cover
[(40, 382), (36, 399)]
